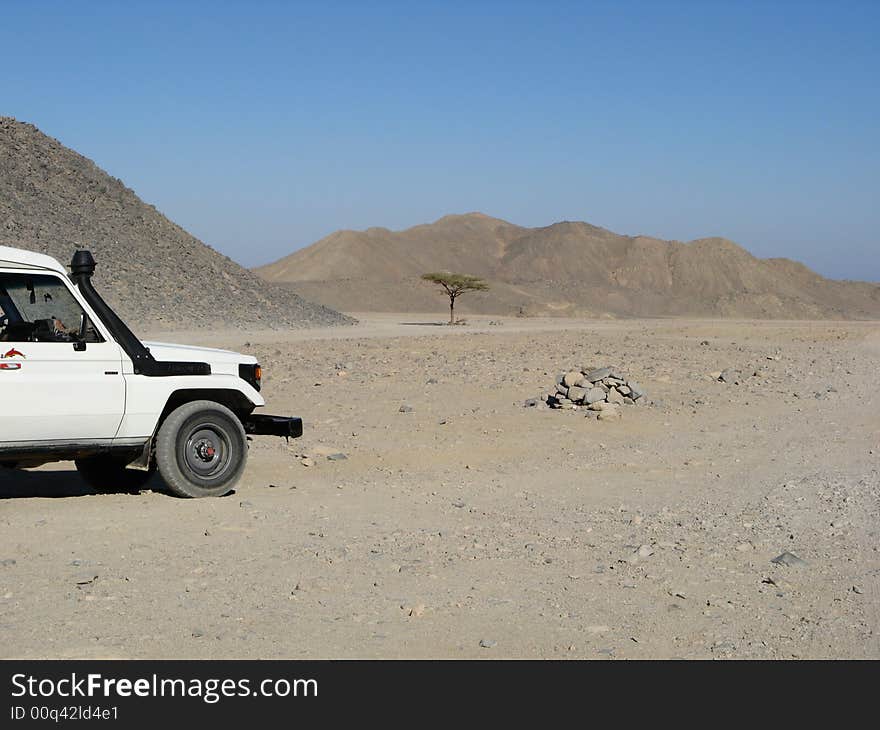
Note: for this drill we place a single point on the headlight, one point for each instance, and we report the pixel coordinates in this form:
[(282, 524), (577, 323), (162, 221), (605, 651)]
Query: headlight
[(253, 374)]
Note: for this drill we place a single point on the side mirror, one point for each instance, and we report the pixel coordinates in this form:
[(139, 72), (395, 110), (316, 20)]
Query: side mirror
[(79, 344)]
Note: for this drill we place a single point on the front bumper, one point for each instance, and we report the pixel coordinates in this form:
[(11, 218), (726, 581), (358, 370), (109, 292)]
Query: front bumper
[(260, 424)]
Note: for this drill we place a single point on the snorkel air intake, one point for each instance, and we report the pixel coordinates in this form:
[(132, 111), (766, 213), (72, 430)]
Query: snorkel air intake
[(82, 266)]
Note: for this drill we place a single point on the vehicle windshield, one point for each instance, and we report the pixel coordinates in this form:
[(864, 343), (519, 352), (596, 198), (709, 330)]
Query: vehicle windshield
[(40, 308)]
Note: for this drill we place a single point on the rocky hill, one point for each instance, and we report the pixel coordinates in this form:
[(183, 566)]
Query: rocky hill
[(568, 268), (152, 271)]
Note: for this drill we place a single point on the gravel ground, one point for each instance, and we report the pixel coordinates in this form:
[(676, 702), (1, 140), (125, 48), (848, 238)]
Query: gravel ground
[(471, 526)]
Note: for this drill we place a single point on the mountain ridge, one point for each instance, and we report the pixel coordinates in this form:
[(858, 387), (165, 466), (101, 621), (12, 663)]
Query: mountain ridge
[(568, 267)]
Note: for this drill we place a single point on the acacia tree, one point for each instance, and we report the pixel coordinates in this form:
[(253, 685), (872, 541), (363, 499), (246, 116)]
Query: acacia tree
[(455, 285)]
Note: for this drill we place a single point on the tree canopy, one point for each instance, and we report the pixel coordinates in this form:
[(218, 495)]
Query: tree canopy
[(455, 285)]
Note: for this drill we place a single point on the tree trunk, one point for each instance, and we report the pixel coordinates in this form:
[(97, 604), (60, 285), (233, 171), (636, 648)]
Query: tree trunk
[(451, 310)]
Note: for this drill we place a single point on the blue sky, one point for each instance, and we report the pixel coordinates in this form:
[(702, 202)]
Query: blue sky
[(262, 126)]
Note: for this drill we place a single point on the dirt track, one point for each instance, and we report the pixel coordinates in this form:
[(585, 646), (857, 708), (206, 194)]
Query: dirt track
[(473, 520)]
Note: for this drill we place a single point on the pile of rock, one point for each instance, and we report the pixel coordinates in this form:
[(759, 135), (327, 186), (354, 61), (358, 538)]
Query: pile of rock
[(601, 391)]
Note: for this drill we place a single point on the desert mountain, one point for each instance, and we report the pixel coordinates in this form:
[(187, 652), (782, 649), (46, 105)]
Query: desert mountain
[(153, 272), (567, 268)]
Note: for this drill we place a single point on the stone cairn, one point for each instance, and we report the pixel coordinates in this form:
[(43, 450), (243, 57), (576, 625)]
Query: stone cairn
[(601, 392)]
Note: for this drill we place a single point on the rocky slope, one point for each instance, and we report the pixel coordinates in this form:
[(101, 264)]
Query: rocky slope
[(155, 274)]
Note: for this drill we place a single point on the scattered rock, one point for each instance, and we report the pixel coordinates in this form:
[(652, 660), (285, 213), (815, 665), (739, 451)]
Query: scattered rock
[(405, 408), (336, 457), (789, 559), (487, 643), (730, 376)]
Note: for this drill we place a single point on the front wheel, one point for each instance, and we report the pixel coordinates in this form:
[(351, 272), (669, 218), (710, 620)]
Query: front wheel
[(108, 475), (201, 450)]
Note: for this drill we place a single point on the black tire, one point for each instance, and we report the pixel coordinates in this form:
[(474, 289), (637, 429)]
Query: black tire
[(201, 450), (107, 475)]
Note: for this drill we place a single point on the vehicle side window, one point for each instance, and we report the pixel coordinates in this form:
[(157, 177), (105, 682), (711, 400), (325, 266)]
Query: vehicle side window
[(40, 308)]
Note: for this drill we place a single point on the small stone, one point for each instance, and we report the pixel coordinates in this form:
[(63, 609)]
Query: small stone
[(576, 394), (198, 633), (306, 461), (636, 390), (531, 403), (609, 414), (744, 547), (6, 562), (337, 457), (789, 559), (730, 376), (405, 408), (594, 395), (857, 589), (602, 406), (487, 643), (645, 551), (245, 504), (572, 378), (598, 374), (614, 396)]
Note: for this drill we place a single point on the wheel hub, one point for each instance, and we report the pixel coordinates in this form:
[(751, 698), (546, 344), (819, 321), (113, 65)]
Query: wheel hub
[(205, 450)]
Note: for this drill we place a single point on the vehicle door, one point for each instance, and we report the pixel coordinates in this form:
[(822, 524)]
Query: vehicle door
[(60, 377)]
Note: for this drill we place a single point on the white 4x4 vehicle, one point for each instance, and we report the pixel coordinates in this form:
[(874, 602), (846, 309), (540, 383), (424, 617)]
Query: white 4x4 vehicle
[(77, 384)]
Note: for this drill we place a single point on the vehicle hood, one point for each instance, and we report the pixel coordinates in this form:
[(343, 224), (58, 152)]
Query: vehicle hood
[(188, 353)]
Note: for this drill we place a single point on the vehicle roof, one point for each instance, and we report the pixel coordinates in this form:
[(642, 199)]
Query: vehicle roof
[(18, 258)]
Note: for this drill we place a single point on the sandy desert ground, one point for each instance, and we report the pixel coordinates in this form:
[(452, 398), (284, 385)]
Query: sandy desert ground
[(474, 527)]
